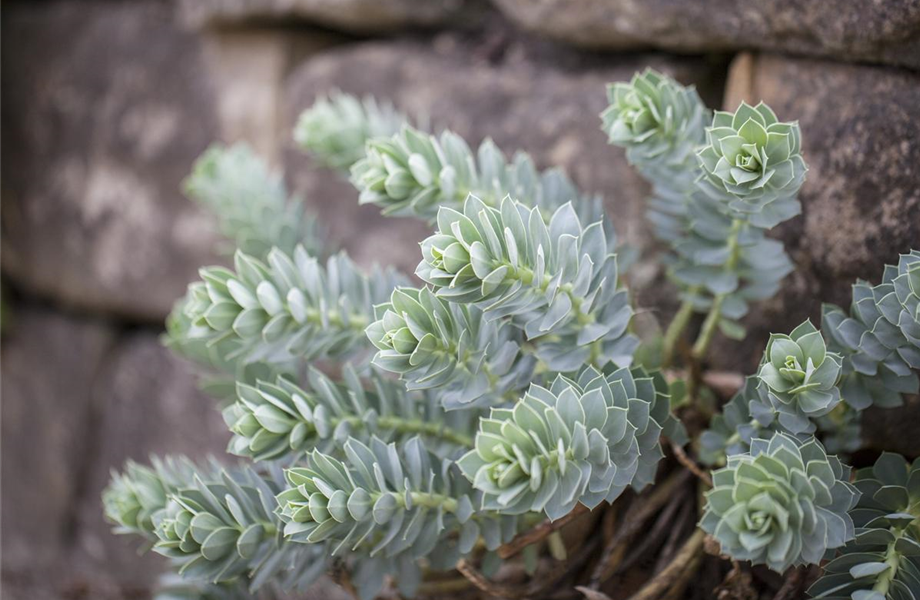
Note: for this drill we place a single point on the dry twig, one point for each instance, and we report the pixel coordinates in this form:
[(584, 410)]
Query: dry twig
[(537, 585), (540, 532), (671, 575), (690, 464), (641, 511), (792, 584)]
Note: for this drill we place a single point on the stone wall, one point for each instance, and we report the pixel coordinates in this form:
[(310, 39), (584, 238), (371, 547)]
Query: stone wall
[(107, 103)]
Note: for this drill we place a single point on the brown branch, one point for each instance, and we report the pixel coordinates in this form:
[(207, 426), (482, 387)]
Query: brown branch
[(676, 591), (672, 574), (537, 585), (641, 511), (690, 464), (674, 537), (656, 534), (791, 585), (540, 532)]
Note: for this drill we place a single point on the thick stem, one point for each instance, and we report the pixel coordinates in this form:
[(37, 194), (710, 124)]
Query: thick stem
[(676, 328), (715, 311), (893, 560), (430, 429)]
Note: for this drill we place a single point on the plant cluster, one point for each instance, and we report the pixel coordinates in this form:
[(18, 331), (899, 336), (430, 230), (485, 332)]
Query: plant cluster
[(394, 427)]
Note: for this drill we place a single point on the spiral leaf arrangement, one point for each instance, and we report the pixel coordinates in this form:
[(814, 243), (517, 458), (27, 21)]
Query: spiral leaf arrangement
[(288, 307), (556, 281), (714, 224), (577, 441), (784, 503), (273, 420), (400, 430), (394, 502), (433, 344), (215, 525), (416, 174)]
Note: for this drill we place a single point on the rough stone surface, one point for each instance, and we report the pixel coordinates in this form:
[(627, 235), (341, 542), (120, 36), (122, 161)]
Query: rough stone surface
[(543, 100), (885, 31), (248, 67), (893, 429), (146, 402), (357, 16), (50, 363), (861, 201), (106, 106)]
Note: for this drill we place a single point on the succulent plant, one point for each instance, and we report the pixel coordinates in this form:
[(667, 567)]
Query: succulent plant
[(583, 441), (784, 503), (131, 498), (415, 174), (800, 376), (337, 127), (878, 357), (216, 525), (552, 280), (731, 431), (253, 208), (384, 499), (272, 420), (751, 159), (523, 313), (288, 307), (883, 562), (657, 120), (434, 344)]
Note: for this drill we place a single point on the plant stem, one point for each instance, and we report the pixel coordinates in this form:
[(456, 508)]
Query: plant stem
[(432, 429), (676, 328), (715, 311)]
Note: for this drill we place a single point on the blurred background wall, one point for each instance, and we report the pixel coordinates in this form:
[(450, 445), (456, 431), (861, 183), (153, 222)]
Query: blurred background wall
[(105, 105)]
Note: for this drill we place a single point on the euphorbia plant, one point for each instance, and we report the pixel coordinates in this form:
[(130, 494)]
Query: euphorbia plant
[(396, 428)]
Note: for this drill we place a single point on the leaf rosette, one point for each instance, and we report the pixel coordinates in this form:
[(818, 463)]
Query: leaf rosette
[(751, 159), (577, 441), (783, 504), (801, 377)]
